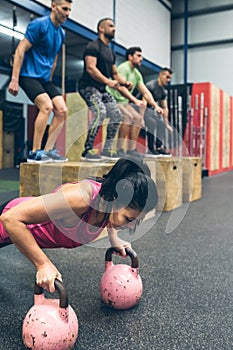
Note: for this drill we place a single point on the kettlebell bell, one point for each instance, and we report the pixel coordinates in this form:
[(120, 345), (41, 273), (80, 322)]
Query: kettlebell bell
[(50, 324), (121, 285)]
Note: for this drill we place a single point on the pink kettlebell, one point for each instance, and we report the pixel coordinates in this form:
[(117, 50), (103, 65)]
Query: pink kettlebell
[(121, 285), (50, 324)]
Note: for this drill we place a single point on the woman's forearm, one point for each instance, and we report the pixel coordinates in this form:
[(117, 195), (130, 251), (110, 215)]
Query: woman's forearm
[(24, 240)]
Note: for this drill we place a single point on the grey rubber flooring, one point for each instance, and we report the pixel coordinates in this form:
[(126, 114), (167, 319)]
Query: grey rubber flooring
[(186, 264)]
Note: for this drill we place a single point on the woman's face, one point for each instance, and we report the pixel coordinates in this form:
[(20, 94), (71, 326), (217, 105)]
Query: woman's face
[(124, 218)]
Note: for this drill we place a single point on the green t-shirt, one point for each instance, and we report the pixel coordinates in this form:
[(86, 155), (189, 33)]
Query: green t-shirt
[(131, 75)]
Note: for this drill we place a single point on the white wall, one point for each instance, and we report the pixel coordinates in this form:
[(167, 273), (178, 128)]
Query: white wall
[(146, 24), (208, 63), (212, 64), (89, 12), (214, 26), (138, 23), (45, 2)]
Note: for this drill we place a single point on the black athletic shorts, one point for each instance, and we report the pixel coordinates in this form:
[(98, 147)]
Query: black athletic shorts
[(34, 87)]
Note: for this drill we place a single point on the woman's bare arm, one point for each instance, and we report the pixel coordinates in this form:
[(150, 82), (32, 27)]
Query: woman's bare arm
[(41, 209)]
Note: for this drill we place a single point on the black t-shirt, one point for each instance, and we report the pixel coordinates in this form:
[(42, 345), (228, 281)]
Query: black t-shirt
[(105, 60), (158, 92)]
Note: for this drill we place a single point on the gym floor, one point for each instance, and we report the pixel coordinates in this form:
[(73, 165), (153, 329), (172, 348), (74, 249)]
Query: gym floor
[(187, 301)]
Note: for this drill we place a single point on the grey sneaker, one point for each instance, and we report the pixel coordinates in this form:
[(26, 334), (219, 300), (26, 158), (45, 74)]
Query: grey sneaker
[(56, 157), (91, 156), (109, 154), (39, 157), (121, 153)]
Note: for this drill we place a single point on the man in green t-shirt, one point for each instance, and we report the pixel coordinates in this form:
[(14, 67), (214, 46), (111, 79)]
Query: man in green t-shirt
[(133, 120)]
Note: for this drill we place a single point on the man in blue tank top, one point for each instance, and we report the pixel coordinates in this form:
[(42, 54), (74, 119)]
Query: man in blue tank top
[(34, 64)]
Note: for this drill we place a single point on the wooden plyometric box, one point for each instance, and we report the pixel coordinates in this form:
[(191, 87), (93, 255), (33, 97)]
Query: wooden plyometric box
[(214, 130), (226, 129), (37, 179), (192, 178), (218, 127), (76, 126), (169, 183), (8, 150), (152, 167)]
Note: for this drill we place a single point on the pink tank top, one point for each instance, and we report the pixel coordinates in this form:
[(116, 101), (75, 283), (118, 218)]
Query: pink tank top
[(53, 234)]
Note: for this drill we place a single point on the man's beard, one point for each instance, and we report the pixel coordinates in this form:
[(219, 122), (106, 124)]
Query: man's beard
[(136, 65), (109, 36)]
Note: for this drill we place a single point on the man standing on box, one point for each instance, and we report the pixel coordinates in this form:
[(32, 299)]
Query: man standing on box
[(34, 64), (153, 120), (100, 71), (133, 119)]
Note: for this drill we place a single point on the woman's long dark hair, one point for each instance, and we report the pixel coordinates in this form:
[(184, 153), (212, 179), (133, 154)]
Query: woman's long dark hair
[(128, 185)]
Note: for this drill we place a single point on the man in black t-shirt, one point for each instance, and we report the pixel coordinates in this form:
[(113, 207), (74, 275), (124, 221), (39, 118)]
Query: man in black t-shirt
[(100, 71), (154, 121)]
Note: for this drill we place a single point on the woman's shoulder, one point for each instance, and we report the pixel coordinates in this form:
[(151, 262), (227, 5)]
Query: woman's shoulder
[(93, 187), (85, 189)]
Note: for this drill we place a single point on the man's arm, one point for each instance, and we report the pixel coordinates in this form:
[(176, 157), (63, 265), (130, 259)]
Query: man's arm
[(147, 96), (23, 46), (164, 106), (120, 78), (53, 68), (95, 73), (125, 87), (125, 92)]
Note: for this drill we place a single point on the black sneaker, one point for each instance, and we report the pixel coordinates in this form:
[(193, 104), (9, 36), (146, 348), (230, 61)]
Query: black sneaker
[(91, 156), (163, 152), (56, 157), (109, 154), (152, 154), (39, 157), (121, 153)]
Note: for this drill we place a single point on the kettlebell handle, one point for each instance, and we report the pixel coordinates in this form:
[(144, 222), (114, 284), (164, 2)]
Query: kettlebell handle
[(59, 286), (130, 252)]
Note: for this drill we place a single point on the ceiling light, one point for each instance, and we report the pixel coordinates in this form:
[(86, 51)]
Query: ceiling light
[(11, 32)]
